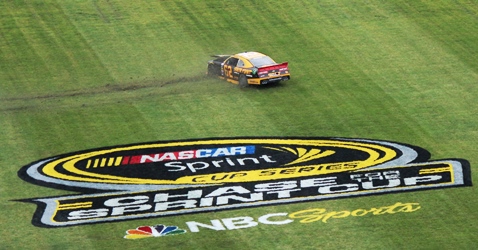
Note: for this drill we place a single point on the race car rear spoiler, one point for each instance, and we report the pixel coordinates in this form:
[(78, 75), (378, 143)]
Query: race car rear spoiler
[(282, 66)]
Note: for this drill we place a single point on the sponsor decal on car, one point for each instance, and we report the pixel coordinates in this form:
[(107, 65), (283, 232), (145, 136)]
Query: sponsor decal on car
[(170, 178)]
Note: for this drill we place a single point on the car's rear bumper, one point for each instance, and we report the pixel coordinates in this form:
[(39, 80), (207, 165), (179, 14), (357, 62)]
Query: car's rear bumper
[(264, 81)]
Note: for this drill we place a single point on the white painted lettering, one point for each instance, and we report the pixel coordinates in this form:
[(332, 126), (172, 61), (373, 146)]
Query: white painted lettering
[(224, 200), (265, 219), (129, 209), (338, 188), (88, 214), (414, 180), (126, 201), (215, 225), (239, 222), (275, 186), (228, 190), (163, 206), (202, 165), (318, 182), (371, 185), (284, 193), (192, 194), (175, 164)]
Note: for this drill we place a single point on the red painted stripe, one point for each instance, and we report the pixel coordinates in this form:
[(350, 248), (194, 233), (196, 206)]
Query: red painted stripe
[(125, 160)]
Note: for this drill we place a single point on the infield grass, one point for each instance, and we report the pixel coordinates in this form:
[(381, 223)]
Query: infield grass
[(77, 75)]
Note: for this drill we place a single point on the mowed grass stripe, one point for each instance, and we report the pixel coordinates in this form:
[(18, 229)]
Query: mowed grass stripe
[(137, 47), (17, 54), (456, 33), (346, 80), (362, 39), (368, 70), (363, 42), (55, 54), (452, 83)]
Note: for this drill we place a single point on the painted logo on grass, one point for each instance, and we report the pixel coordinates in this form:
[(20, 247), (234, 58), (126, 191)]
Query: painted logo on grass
[(179, 177), (152, 231), (313, 215)]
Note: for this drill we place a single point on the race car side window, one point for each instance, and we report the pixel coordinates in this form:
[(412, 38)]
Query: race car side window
[(232, 61), (240, 63)]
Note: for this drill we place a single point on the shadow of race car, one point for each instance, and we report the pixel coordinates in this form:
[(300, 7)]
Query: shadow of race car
[(248, 68)]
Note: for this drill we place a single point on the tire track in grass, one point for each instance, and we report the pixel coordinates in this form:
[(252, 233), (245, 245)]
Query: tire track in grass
[(8, 103), (108, 88), (100, 12)]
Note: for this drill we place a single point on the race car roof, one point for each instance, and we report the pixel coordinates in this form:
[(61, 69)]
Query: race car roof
[(251, 55)]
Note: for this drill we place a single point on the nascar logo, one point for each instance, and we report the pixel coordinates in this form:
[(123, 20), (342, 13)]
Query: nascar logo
[(174, 156)]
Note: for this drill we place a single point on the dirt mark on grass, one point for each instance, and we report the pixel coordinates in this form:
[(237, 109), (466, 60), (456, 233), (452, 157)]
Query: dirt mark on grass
[(109, 88)]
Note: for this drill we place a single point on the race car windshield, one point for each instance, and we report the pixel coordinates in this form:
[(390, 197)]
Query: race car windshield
[(262, 61)]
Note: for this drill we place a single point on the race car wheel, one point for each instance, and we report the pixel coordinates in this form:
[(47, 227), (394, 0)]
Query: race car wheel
[(243, 81)]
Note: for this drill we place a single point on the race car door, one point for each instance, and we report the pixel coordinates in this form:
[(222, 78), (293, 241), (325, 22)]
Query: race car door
[(228, 68)]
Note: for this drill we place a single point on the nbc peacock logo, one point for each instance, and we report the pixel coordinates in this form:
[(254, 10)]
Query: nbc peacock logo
[(152, 231)]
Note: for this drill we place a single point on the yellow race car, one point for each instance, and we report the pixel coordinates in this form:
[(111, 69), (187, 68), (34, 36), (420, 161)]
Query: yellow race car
[(248, 68)]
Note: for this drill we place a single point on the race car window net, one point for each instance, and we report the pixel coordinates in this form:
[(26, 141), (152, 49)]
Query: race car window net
[(240, 63)]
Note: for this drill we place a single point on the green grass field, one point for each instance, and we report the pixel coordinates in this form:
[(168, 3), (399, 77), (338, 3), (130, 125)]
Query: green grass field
[(77, 75)]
